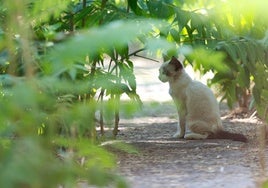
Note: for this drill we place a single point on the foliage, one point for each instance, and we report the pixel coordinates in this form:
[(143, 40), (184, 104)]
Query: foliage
[(35, 150), (50, 92), (63, 61), (226, 37), (48, 135)]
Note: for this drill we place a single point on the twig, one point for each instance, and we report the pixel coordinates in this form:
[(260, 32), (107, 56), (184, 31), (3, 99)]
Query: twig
[(253, 114), (140, 50), (135, 52), (147, 58)]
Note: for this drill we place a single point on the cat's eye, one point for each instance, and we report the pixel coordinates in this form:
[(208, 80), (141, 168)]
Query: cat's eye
[(165, 72)]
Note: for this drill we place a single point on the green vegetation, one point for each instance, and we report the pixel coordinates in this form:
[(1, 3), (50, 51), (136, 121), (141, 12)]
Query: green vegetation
[(62, 61)]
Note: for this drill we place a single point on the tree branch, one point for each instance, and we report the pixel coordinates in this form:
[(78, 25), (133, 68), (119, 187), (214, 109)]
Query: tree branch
[(140, 50)]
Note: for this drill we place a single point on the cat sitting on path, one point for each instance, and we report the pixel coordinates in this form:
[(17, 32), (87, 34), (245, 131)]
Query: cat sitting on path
[(197, 106)]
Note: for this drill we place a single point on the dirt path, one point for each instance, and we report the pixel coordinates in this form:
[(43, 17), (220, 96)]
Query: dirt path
[(165, 162)]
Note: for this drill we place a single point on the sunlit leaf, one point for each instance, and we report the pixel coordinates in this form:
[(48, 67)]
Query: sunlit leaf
[(209, 60), (41, 10), (183, 17), (155, 45), (92, 42)]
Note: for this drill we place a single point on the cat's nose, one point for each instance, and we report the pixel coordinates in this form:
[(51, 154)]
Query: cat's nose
[(160, 78)]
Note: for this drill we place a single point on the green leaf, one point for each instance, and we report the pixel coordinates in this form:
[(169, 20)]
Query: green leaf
[(229, 48), (130, 64), (209, 59), (161, 45), (251, 54), (264, 94), (221, 78), (242, 78), (128, 75), (256, 94), (123, 51), (230, 89), (160, 9), (133, 4), (262, 111), (175, 35), (92, 42), (197, 21), (241, 52), (183, 17), (72, 72), (42, 10)]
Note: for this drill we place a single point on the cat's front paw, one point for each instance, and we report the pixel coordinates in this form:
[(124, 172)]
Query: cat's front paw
[(178, 135)]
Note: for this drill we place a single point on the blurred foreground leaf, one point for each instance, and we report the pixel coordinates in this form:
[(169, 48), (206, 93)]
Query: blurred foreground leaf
[(99, 40)]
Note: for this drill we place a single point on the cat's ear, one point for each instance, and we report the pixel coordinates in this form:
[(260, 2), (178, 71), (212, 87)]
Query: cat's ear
[(176, 63), (165, 57)]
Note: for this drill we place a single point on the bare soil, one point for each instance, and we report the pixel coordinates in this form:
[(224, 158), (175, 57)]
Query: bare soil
[(162, 161)]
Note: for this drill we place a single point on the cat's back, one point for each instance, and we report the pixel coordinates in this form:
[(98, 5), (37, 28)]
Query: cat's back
[(201, 104), (198, 89), (201, 96)]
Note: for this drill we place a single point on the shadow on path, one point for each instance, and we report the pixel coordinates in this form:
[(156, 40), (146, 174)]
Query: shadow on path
[(166, 162)]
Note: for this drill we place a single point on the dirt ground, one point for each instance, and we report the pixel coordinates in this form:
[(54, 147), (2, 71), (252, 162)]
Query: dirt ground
[(165, 162), (162, 161)]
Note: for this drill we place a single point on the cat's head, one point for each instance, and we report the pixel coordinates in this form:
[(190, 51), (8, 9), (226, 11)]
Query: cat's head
[(170, 69)]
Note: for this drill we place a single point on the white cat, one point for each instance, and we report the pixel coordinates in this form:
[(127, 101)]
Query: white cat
[(197, 106)]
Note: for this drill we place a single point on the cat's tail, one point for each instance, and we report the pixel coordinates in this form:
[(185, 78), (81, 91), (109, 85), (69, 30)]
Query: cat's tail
[(228, 135)]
